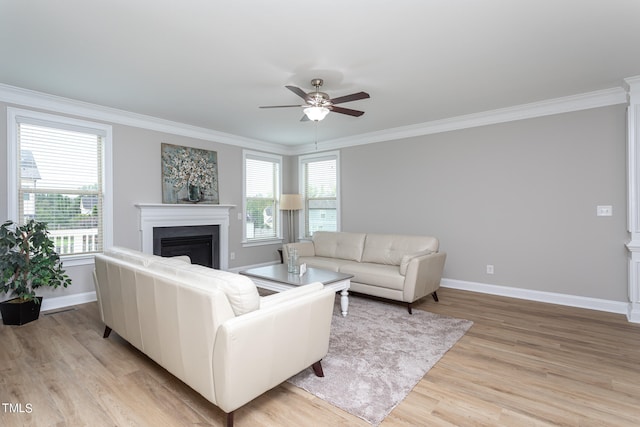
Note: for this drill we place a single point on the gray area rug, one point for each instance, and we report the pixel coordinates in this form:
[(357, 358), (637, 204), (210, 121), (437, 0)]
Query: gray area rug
[(377, 354)]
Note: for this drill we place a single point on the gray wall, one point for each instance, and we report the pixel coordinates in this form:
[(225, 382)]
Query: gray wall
[(137, 178), (521, 196)]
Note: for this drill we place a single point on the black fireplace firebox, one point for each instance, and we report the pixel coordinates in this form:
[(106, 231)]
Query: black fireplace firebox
[(200, 242)]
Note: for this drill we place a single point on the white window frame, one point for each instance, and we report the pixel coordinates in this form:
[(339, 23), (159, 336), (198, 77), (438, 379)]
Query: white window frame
[(310, 158), (16, 116), (246, 242)]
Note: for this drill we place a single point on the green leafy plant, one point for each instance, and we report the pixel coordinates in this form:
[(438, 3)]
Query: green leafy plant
[(28, 260)]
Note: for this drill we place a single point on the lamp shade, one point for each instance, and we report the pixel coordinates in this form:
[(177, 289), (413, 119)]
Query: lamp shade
[(291, 202), (316, 113)]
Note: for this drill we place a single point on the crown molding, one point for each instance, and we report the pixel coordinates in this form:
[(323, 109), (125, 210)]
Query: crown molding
[(33, 99), (632, 81), (600, 98)]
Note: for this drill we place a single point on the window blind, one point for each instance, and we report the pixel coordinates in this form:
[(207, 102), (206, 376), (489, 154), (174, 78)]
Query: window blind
[(262, 190), (321, 195), (60, 183)]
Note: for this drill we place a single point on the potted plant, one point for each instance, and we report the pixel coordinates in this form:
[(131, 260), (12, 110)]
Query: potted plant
[(28, 261)]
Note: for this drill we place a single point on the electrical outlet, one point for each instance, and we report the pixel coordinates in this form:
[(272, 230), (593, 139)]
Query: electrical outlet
[(489, 269), (232, 255), (604, 210)]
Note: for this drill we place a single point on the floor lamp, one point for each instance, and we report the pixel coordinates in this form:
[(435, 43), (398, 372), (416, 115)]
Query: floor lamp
[(291, 203)]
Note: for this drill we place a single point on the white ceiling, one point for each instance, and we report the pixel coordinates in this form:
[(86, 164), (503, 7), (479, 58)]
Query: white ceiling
[(211, 63)]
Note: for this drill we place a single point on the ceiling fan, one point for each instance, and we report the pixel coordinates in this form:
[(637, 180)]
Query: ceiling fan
[(318, 104)]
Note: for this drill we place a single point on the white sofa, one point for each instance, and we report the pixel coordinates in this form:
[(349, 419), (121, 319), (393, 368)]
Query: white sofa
[(210, 328), (392, 266)]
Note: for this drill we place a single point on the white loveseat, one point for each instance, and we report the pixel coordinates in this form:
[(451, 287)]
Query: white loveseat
[(210, 328), (392, 266)]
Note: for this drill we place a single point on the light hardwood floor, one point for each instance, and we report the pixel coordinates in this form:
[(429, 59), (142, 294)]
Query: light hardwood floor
[(521, 364)]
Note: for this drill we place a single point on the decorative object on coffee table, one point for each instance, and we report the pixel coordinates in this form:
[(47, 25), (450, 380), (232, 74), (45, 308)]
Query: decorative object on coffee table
[(28, 261), (189, 175)]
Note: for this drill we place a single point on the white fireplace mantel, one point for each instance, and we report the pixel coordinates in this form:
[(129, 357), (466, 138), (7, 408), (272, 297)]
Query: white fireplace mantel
[(177, 215)]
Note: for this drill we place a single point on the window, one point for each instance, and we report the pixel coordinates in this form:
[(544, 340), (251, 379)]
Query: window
[(57, 174), (320, 183), (262, 186)]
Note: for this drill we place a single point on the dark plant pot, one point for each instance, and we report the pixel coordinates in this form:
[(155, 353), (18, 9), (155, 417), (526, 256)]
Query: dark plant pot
[(19, 313)]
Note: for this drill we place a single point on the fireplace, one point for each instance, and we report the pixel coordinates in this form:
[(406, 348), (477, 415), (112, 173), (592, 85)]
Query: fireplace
[(201, 243), (163, 215)]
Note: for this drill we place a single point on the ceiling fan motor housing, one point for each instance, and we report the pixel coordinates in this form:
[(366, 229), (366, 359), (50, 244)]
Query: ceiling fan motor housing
[(317, 98)]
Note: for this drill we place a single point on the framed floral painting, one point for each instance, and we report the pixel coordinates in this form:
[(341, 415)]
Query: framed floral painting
[(189, 175)]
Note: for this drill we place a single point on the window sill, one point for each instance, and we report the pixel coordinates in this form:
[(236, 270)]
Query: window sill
[(265, 242), (77, 260)]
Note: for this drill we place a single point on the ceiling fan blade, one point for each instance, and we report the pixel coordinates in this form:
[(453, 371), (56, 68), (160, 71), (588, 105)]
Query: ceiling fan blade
[(348, 98), (302, 94), (304, 118), (280, 106), (348, 111)]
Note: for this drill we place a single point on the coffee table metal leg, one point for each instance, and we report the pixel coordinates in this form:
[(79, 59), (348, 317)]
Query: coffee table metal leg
[(344, 302)]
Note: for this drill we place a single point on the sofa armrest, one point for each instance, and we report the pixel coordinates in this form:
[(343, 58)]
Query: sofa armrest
[(423, 276), (305, 249), (259, 350)]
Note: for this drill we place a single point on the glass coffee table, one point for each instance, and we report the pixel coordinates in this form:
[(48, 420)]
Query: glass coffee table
[(276, 278)]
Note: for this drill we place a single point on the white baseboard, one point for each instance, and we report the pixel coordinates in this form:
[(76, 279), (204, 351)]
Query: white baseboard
[(540, 296), (55, 303), (633, 314)]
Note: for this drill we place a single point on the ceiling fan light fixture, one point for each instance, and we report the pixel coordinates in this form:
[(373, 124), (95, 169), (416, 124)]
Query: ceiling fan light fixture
[(316, 113)]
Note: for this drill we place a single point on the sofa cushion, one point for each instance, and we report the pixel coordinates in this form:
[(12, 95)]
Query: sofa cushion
[(406, 259), (339, 245), (139, 258), (390, 248), (168, 266), (130, 256), (332, 264), (240, 290), (386, 276)]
